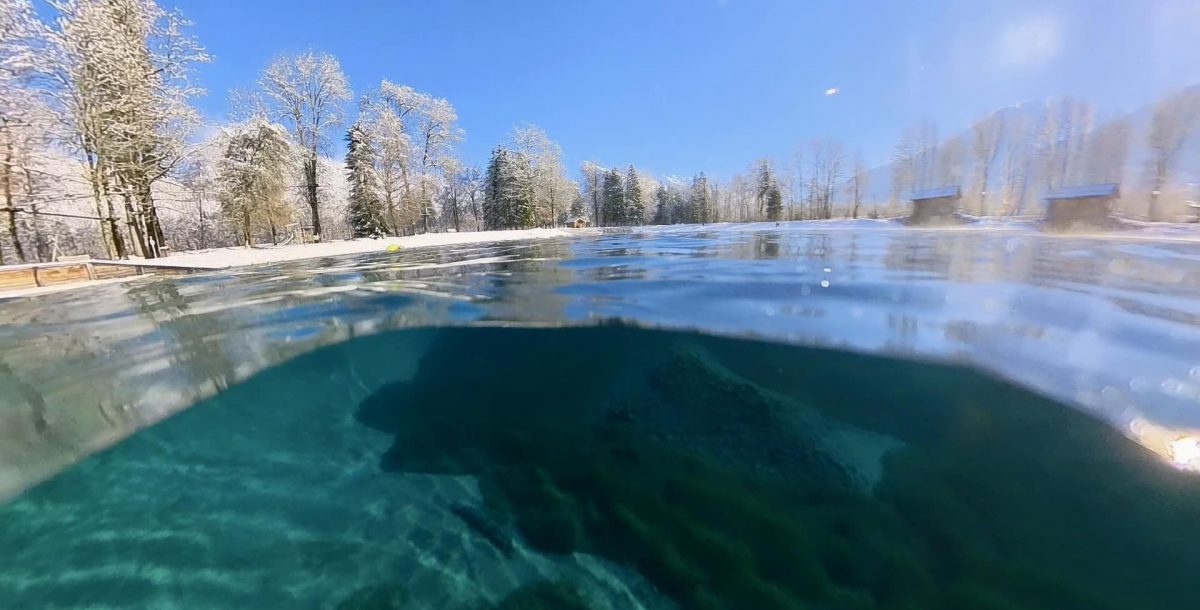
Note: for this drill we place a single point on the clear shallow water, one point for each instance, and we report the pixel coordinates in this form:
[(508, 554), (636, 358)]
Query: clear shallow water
[(401, 470)]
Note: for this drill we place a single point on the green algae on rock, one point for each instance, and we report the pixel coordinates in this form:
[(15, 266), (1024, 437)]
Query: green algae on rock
[(902, 485)]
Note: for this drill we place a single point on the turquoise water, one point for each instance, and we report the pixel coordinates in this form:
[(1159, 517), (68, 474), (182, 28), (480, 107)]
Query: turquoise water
[(449, 433)]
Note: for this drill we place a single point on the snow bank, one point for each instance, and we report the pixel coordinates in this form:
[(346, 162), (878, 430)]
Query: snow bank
[(220, 258)]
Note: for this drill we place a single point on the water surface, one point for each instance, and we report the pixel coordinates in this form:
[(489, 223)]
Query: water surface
[(868, 449)]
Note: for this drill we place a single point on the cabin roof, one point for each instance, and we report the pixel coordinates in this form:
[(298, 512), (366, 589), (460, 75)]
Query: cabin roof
[(938, 193), (1084, 191)]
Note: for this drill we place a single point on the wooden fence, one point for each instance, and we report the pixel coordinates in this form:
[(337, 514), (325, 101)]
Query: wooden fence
[(16, 277)]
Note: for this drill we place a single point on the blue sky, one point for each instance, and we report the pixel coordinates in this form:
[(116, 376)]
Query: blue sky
[(683, 86)]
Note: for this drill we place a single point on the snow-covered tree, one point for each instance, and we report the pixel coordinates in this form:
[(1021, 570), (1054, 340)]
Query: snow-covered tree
[(469, 185), (431, 125), (578, 206), (985, 145), (591, 181), (386, 128), (904, 155), (195, 225), (765, 180), (678, 191), (634, 208), (508, 191), (307, 93), (1018, 168), (951, 161), (366, 202), (437, 133), (662, 205), (334, 198), (613, 200), (415, 133), (649, 185), (1107, 152), (553, 190), (825, 174), (859, 181), (23, 119), (120, 71), (1176, 120), (698, 207), (774, 200), (253, 177)]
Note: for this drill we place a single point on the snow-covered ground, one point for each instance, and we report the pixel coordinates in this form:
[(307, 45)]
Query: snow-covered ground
[(220, 258)]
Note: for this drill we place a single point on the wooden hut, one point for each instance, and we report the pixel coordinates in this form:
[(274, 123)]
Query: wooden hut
[(1081, 207), (935, 206), (579, 223)]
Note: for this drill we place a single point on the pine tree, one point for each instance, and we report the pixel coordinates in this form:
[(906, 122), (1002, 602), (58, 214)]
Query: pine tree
[(614, 199), (495, 186), (524, 202), (765, 183), (366, 198), (635, 204), (774, 200), (662, 206), (679, 211), (698, 199), (508, 191)]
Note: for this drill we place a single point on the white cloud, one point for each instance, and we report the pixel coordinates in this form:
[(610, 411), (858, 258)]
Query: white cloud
[(1029, 42)]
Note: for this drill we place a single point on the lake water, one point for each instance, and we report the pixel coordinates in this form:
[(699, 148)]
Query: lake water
[(828, 415)]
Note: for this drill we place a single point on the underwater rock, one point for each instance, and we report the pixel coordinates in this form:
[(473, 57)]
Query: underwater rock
[(734, 475), (671, 391), (696, 402), (656, 457)]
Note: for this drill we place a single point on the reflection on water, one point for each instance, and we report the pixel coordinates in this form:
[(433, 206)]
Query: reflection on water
[(609, 467), (1109, 325)]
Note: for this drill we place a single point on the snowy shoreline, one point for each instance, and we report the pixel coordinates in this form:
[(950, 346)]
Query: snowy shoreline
[(240, 256)]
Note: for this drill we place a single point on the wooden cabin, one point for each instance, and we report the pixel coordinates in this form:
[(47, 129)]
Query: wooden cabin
[(935, 207), (579, 223), (1081, 207)]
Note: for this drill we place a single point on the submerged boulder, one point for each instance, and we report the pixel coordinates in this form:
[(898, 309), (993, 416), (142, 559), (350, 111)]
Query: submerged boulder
[(471, 407), (638, 447), (698, 404)]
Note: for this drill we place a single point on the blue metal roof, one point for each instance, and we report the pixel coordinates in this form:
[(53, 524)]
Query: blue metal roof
[(938, 193), (1084, 191)]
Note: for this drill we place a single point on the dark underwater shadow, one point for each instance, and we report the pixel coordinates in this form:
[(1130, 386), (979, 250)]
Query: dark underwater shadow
[(739, 474)]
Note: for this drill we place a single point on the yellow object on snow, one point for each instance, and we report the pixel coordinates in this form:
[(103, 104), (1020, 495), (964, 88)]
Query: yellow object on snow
[(393, 248)]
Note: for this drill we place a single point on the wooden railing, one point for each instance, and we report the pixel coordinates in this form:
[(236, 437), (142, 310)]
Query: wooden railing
[(34, 275)]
